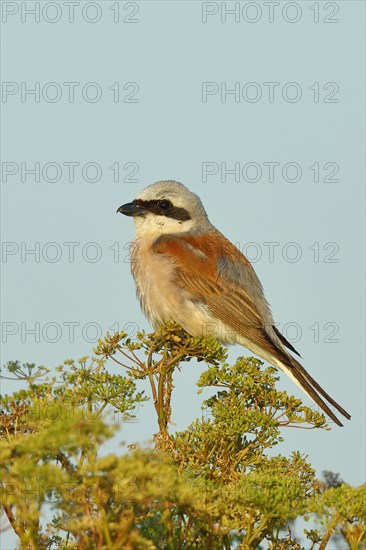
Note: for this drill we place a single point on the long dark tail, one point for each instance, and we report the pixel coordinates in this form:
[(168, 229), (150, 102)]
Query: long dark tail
[(313, 389), (303, 379)]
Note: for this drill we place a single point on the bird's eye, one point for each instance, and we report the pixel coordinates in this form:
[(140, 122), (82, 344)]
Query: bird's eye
[(165, 205)]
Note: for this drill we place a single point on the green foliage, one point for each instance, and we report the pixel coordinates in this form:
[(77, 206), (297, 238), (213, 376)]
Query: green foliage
[(212, 485)]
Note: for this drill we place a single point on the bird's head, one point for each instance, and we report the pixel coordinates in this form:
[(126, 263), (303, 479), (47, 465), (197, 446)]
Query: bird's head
[(167, 207)]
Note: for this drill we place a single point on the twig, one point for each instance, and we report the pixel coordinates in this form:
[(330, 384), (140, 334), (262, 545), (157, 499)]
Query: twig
[(135, 359), (135, 371)]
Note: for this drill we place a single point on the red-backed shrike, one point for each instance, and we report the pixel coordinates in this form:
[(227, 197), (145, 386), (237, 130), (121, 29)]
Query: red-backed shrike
[(187, 271)]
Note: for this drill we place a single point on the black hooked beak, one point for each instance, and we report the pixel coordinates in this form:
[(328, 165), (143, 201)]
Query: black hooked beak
[(132, 209)]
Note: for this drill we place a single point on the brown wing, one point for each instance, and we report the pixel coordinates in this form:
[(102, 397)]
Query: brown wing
[(197, 260)]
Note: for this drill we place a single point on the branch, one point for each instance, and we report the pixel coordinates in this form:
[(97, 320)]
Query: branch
[(329, 532), (12, 520)]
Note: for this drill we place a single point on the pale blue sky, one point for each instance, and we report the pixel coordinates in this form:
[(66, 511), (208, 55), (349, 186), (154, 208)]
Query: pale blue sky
[(168, 132)]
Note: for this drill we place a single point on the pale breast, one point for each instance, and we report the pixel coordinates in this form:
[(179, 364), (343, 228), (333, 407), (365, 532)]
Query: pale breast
[(154, 274), (162, 299)]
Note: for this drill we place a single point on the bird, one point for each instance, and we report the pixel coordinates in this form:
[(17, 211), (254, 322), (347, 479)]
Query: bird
[(188, 272)]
